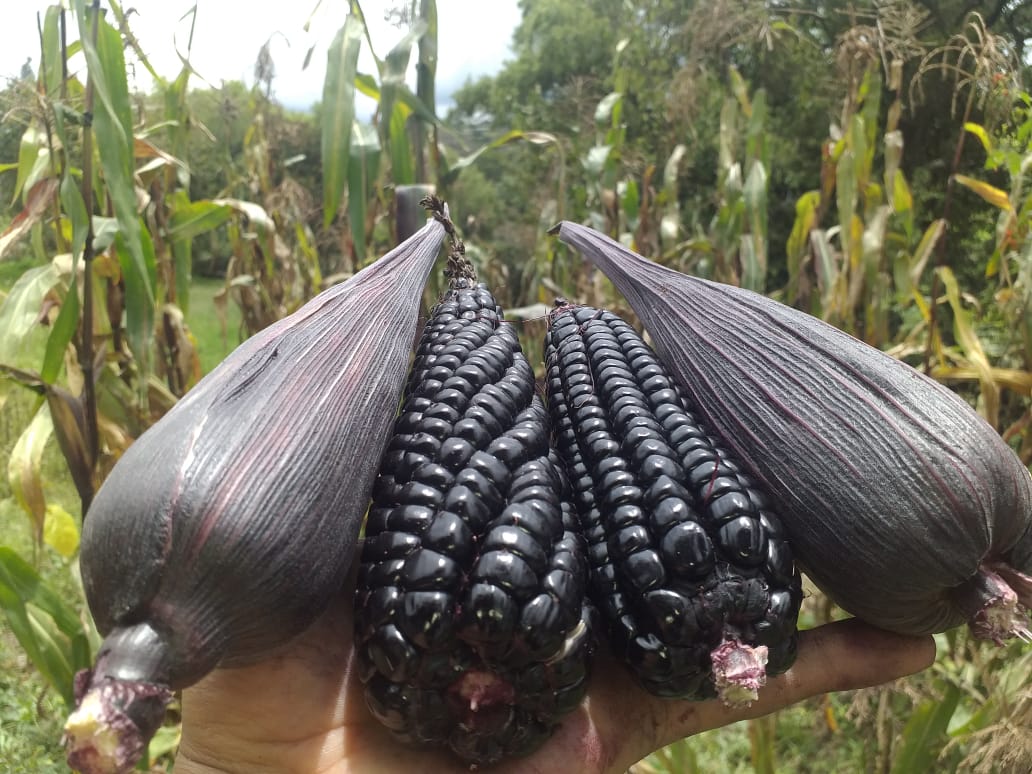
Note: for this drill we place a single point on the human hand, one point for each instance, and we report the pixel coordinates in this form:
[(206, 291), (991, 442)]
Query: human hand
[(303, 711)]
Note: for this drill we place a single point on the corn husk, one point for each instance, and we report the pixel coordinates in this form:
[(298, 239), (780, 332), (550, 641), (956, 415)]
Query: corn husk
[(229, 525), (901, 502)]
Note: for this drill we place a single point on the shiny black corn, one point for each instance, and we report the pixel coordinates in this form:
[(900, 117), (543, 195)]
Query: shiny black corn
[(472, 628), (690, 569)]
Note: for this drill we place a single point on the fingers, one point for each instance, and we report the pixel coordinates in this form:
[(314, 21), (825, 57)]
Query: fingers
[(850, 654), (840, 656), (302, 710)]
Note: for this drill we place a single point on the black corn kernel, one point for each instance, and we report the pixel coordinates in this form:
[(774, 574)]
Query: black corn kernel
[(473, 570), (685, 553)]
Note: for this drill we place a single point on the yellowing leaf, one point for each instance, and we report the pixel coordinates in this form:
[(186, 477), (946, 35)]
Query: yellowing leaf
[(972, 347), (902, 200), (982, 135), (23, 469), (990, 193), (1012, 378), (924, 249), (39, 198), (60, 531)]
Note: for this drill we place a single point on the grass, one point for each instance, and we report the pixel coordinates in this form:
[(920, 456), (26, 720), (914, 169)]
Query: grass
[(215, 337), (11, 269), (31, 714)]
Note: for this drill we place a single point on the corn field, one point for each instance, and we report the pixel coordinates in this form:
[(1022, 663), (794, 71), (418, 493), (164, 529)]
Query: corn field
[(119, 202)]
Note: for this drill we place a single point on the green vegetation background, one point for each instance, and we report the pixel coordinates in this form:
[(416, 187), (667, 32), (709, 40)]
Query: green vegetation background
[(755, 142)]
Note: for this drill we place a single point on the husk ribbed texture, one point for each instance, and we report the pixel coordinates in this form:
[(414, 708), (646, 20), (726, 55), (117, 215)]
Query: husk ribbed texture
[(893, 490), (230, 523)]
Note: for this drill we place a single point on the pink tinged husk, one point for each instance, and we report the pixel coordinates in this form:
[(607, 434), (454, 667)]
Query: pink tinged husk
[(229, 525), (894, 492)]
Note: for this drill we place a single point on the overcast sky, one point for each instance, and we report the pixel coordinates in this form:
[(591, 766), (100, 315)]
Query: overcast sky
[(474, 38)]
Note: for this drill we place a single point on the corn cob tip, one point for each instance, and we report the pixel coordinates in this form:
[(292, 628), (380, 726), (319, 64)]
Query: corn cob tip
[(997, 601), (120, 703), (739, 671), (112, 723)]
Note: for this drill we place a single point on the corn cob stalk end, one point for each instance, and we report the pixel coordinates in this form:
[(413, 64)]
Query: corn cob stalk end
[(115, 717), (739, 671)]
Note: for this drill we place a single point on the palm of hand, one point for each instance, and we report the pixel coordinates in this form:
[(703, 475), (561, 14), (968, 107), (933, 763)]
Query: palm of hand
[(302, 710)]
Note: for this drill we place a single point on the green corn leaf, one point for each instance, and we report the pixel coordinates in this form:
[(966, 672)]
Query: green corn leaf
[(64, 328), (362, 171), (925, 733), (728, 133), (862, 158), (403, 170), (367, 85), (139, 287), (191, 219), (51, 52), (47, 628), (187, 221), (61, 334), (422, 111), (112, 126), (534, 138), (874, 241), (846, 192), (182, 263), (902, 199), (395, 66), (24, 338), (426, 65), (104, 232), (30, 150), (338, 112), (870, 97), (629, 201), (799, 239)]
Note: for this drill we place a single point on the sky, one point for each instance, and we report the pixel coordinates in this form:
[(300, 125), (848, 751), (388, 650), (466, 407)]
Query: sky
[(473, 39)]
